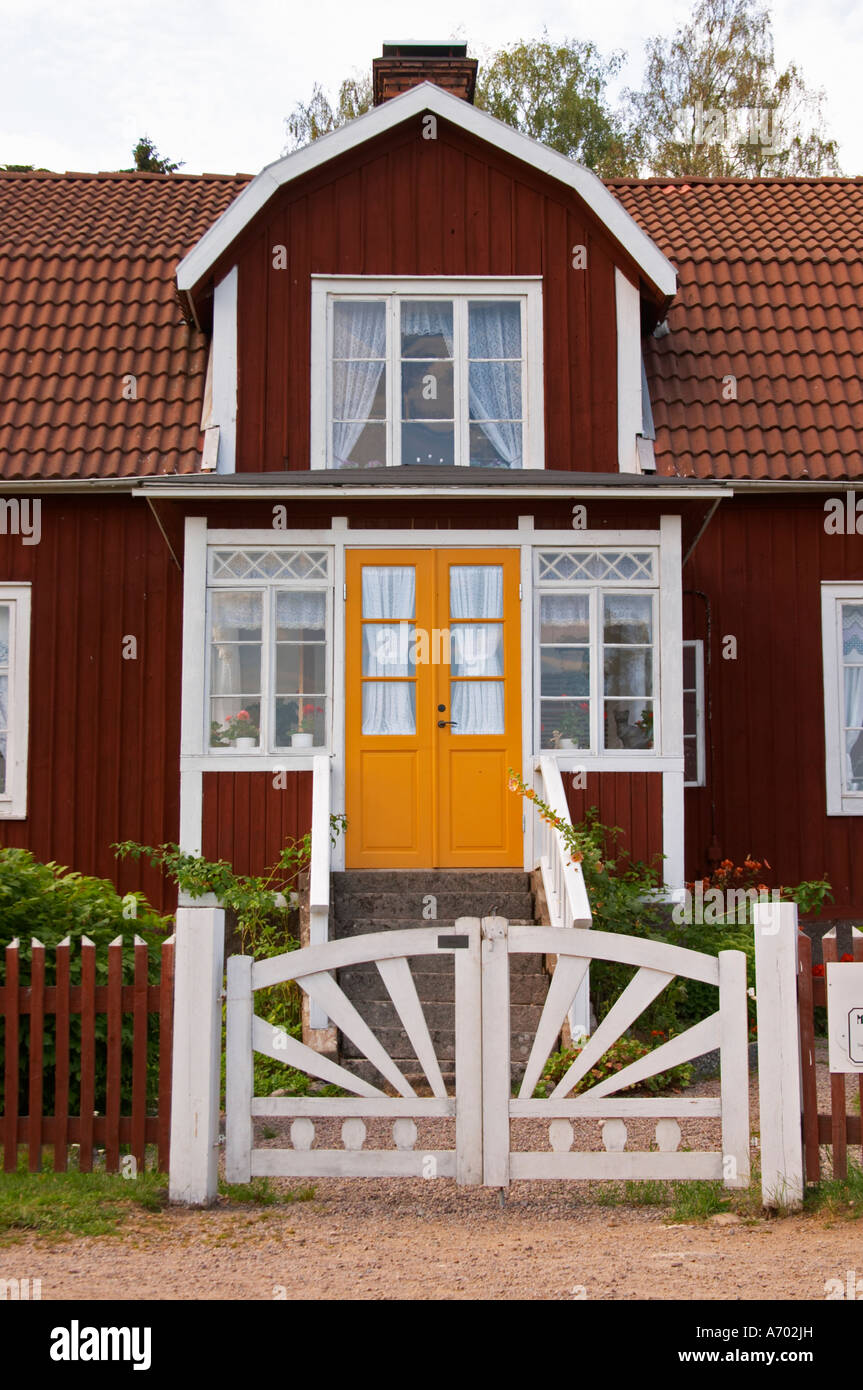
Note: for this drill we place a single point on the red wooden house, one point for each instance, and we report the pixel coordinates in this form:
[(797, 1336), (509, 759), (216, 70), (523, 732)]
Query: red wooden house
[(421, 455)]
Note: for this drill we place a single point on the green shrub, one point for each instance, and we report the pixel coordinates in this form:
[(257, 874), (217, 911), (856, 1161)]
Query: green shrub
[(619, 1055), (48, 902)]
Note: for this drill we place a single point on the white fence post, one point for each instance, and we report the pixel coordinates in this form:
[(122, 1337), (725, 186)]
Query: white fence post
[(778, 1054), (198, 970)]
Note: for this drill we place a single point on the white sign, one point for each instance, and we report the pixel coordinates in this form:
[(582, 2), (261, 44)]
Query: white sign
[(845, 1015)]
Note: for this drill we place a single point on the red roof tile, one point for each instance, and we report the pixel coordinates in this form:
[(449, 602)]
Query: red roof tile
[(87, 266), (771, 292)]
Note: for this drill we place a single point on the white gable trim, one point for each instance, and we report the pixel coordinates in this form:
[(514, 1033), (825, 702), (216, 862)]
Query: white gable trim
[(224, 357), (426, 97), (629, 406)]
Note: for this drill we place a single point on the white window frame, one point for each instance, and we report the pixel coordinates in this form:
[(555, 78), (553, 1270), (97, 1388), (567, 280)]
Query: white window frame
[(327, 288), (595, 589), (13, 800), (268, 588), (839, 801), (697, 645)]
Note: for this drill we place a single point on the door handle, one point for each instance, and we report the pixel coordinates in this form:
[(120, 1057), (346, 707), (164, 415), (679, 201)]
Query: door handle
[(442, 723)]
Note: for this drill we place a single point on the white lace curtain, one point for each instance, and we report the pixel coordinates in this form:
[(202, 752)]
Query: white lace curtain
[(495, 386), (360, 336), (852, 649), (428, 318)]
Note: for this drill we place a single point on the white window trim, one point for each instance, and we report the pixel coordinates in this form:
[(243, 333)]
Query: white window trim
[(268, 588), (607, 757), (13, 802), (839, 802), (697, 645), (325, 287)]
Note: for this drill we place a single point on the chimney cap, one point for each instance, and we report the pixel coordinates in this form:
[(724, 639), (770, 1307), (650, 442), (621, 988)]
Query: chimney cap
[(423, 48)]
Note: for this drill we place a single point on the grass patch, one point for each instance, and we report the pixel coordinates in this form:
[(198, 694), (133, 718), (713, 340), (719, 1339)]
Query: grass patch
[(649, 1193), (81, 1204), (839, 1197), (261, 1193), (696, 1201)]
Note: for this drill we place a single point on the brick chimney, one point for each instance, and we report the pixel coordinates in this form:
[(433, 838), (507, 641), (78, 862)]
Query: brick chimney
[(406, 64)]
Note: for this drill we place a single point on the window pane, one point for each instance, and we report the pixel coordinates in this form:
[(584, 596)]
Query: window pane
[(427, 391), (690, 714), (359, 391), (690, 760), (495, 445), (688, 667), (359, 328), (476, 649), (628, 672), (300, 716), (562, 720), (426, 327), (300, 669), (231, 719), (852, 631), (854, 761), (301, 614), (854, 697), (235, 668), (494, 328), (477, 707), (4, 720), (389, 649), (236, 616), (476, 591), (4, 636), (389, 707), (629, 723), (431, 444), (389, 591), (495, 390), (628, 618), (564, 671), (359, 446), (564, 618)]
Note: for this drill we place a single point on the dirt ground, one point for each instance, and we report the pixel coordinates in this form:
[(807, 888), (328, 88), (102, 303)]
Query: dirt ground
[(415, 1239)]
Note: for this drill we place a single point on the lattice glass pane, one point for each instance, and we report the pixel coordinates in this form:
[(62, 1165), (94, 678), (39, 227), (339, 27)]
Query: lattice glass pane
[(852, 631), (268, 564), (568, 566)]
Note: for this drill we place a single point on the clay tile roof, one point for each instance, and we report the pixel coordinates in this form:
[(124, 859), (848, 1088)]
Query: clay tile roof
[(87, 297), (770, 292)]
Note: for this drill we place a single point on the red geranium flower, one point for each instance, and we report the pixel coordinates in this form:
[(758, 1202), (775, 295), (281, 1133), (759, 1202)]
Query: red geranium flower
[(818, 970)]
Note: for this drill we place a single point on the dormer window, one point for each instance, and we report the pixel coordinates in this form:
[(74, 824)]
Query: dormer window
[(426, 373)]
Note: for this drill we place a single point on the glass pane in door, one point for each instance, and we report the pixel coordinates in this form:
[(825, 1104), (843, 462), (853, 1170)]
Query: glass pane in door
[(476, 622)]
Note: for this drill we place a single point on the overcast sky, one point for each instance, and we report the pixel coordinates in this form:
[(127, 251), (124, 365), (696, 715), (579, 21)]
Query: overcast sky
[(211, 81)]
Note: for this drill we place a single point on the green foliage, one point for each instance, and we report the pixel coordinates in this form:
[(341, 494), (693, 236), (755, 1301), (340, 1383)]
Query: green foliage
[(261, 1193), (624, 1051), (48, 902), (696, 1201), (73, 1203), (319, 115), (723, 58), (149, 161), (556, 93), (838, 1197)]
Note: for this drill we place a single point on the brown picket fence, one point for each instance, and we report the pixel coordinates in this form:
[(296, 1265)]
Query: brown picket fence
[(36, 1001), (837, 1129)]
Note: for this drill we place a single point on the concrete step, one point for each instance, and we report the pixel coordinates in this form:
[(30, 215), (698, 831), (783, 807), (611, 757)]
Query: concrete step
[(520, 963), (361, 982), (423, 881), (397, 1044), (517, 907)]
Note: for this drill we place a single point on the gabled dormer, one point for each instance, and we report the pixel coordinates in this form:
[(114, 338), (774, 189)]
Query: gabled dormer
[(426, 286)]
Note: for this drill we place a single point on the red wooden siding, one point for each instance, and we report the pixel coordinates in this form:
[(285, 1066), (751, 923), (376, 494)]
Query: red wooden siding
[(630, 800), (408, 206), (761, 565), (248, 820), (104, 732)]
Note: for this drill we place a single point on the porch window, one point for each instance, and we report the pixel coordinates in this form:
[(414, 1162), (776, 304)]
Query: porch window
[(14, 698), (693, 715), (597, 650), (423, 375), (268, 669), (842, 633)]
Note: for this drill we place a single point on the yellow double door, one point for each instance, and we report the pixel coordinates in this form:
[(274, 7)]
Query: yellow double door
[(433, 709)]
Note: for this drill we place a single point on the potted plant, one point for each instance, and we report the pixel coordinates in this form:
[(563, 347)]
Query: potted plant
[(574, 731), (305, 735), (239, 730)]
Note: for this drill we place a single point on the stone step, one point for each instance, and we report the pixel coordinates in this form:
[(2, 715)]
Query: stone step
[(397, 1044), (440, 1015), (361, 982), (517, 907), (423, 881), (442, 962), (409, 1069)]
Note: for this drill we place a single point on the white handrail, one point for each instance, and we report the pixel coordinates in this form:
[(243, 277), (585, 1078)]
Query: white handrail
[(563, 880), (319, 869)]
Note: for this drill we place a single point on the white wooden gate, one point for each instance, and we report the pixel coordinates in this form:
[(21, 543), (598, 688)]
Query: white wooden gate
[(485, 1113)]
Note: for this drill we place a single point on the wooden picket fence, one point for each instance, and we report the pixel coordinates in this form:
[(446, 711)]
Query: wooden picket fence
[(838, 1129), (36, 1000)]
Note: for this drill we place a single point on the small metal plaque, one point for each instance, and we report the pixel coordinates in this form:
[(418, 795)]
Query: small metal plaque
[(453, 943)]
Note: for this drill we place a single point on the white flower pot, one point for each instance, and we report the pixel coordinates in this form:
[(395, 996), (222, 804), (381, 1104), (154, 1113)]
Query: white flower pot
[(246, 742), (565, 743), (302, 740)]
